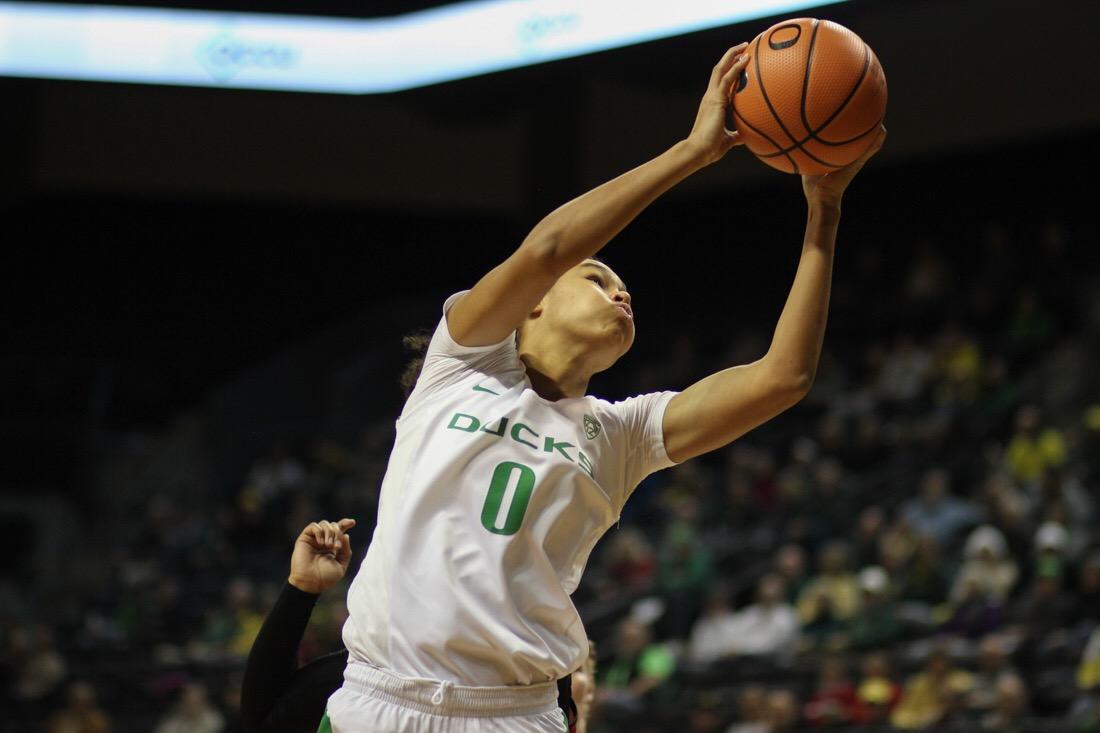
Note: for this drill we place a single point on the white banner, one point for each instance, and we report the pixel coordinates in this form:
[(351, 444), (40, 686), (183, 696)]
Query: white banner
[(342, 55)]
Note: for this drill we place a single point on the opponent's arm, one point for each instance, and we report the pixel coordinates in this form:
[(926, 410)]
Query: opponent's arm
[(273, 686), (724, 406), (500, 301)]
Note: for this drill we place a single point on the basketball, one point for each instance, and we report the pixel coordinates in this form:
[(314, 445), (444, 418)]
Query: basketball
[(811, 98)]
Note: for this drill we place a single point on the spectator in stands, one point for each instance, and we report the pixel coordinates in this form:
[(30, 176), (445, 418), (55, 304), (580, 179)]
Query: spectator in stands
[(835, 584), (1051, 543), (1087, 608), (1030, 326), (714, 634), (905, 371), (958, 366), (928, 694), (1034, 448), (926, 579), (878, 693), (869, 449), (936, 512), (993, 666), (1085, 715), (790, 565), (1088, 672), (834, 702), (1009, 714), (629, 561), (830, 509), (706, 713), (974, 613), (683, 574), (868, 535), (231, 629), (1062, 497), (876, 623), (39, 667), (782, 715), (987, 564), (1009, 509), (1046, 610), (192, 714), (769, 626), (752, 711), (639, 666), (81, 714)]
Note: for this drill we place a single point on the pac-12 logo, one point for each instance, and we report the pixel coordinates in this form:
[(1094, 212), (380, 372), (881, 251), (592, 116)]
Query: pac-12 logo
[(591, 427), (226, 55)]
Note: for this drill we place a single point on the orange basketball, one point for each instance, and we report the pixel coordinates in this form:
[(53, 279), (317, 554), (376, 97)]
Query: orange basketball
[(811, 97)]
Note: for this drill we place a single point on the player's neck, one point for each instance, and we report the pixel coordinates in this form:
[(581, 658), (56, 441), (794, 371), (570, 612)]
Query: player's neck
[(555, 373), (551, 389)]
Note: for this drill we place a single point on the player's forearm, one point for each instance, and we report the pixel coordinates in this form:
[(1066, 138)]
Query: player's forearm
[(796, 344), (582, 227)]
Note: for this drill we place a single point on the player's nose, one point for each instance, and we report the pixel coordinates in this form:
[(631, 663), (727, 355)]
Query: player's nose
[(621, 296)]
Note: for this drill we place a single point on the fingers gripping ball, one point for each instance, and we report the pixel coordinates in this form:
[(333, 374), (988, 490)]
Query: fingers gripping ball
[(811, 98)]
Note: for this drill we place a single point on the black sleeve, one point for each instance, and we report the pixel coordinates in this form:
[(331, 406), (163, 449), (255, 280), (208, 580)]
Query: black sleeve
[(300, 707), (275, 694)]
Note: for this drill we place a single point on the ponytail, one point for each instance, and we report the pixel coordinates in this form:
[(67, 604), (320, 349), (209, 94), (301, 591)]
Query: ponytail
[(416, 342)]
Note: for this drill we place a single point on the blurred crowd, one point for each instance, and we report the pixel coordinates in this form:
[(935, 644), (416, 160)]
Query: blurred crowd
[(914, 547)]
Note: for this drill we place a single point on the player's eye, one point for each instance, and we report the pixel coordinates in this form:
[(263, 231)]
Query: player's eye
[(596, 279)]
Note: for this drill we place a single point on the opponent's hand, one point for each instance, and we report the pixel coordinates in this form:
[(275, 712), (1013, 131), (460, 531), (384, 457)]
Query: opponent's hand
[(321, 555), (709, 138), (828, 189)]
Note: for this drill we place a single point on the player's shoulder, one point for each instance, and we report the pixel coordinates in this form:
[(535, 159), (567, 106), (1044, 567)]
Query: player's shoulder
[(629, 409)]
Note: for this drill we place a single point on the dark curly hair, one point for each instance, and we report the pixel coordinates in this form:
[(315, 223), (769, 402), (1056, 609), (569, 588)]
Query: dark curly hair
[(416, 342)]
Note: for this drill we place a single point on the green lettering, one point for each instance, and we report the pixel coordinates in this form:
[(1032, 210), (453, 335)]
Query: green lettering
[(505, 517), (499, 432), (550, 445), (515, 434), (470, 427), (585, 463)]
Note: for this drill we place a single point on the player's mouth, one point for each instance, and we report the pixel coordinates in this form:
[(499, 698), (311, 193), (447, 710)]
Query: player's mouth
[(625, 309)]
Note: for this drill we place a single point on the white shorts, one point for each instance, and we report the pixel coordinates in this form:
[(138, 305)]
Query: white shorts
[(373, 700)]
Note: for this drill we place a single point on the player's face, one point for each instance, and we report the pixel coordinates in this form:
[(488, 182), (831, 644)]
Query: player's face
[(591, 302)]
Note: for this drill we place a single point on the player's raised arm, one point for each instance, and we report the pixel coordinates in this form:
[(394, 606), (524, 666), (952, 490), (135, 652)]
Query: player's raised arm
[(500, 301), (724, 406)]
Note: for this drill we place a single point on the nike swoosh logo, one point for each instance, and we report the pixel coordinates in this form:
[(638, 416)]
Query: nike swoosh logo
[(479, 388)]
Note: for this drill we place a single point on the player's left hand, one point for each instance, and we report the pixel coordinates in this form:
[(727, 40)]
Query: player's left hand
[(709, 137), (321, 555), (829, 188)]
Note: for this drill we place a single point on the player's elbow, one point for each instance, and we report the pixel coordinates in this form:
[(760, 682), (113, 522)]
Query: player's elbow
[(543, 248), (787, 390)]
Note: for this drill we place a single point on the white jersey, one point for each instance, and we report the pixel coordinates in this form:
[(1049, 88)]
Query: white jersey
[(492, 501)]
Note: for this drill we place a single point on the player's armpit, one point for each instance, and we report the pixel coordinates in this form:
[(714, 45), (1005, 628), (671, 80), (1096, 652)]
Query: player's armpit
[(499, 302), (720, 408)]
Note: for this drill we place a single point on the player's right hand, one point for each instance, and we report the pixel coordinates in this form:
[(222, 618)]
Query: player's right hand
[(709, 138), (321, 555)]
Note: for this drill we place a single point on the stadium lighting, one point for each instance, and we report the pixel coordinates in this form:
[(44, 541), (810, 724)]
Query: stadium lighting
[(340, 55)]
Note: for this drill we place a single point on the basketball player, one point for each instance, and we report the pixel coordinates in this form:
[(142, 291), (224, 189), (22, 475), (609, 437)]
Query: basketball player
[(504, 474)]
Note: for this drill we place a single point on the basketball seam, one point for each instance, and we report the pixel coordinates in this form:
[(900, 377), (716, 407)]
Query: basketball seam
[(761, 133), (802, 103), (840, 108), (825, 142), (764, 93)]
